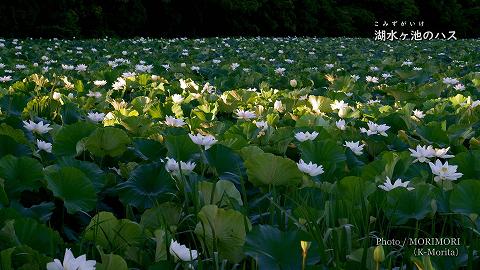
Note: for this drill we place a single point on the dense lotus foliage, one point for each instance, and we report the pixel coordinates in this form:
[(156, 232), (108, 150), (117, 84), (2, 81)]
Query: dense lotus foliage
[(260, 153)]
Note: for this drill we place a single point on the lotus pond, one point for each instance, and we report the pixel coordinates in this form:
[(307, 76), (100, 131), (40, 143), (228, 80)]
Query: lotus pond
[(236, 153)]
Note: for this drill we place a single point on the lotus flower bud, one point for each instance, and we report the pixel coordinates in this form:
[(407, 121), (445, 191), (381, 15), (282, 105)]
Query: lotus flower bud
[(378, 254)]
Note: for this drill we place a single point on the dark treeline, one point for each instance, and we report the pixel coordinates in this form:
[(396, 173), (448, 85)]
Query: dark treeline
[(194, 18)]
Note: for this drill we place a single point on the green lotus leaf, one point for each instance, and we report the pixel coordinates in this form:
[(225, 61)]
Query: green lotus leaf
[(354, 189), (22, 257), (467, 163), (112, 262), (273, 249), (265, 169), (181, 147), (227, 163), (112, 234), (279, 140), (66, 140), (27, 231), (136, 125), (15, 134), (149, 149), (402, 205), (41, 212), (14, 104), (464, 198), (70, 113), (433, 133), (107, 141), (148, 185), (73, 187), (223, 231), (8, 146), (161, 216), (90, 169), (20, 174), (222, 193), (326, 153)]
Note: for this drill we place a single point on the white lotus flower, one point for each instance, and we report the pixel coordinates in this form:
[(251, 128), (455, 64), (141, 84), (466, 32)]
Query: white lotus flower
[(181, 252), (371, 79), (172, 166), (475, 104), (177, 98), (341, 106), (119, 83), (208, 88), (72, 263), (386, 75), (418, 114), (314, 102), (56, 96), (293, 83), (81, 67), (442, 153), (96, 95), (355, 147), (375, 129), (310, 168), (341, 124), (184, 84), (355, 77), (100, 83), (207, 140), (68, 67), (450, 81), (174, 122), (39, 128), (459, 87), (280, 71), (143, 68), (5, 78), (373, 101), (68, 84), (444, 171), (278, 106), (306, 136), (388, 185), (234, 66), (245, 115), (96, 117), (422, 153), (263, 125), (127, 75), (42, 145)]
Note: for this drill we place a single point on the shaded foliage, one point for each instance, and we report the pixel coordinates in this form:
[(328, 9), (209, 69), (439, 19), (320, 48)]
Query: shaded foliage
[(169, 18)]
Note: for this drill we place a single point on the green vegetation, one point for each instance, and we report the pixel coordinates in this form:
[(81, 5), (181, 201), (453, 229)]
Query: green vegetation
[(264, 153)]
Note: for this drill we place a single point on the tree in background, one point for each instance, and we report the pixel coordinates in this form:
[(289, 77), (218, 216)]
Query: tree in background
[(168, 18)]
